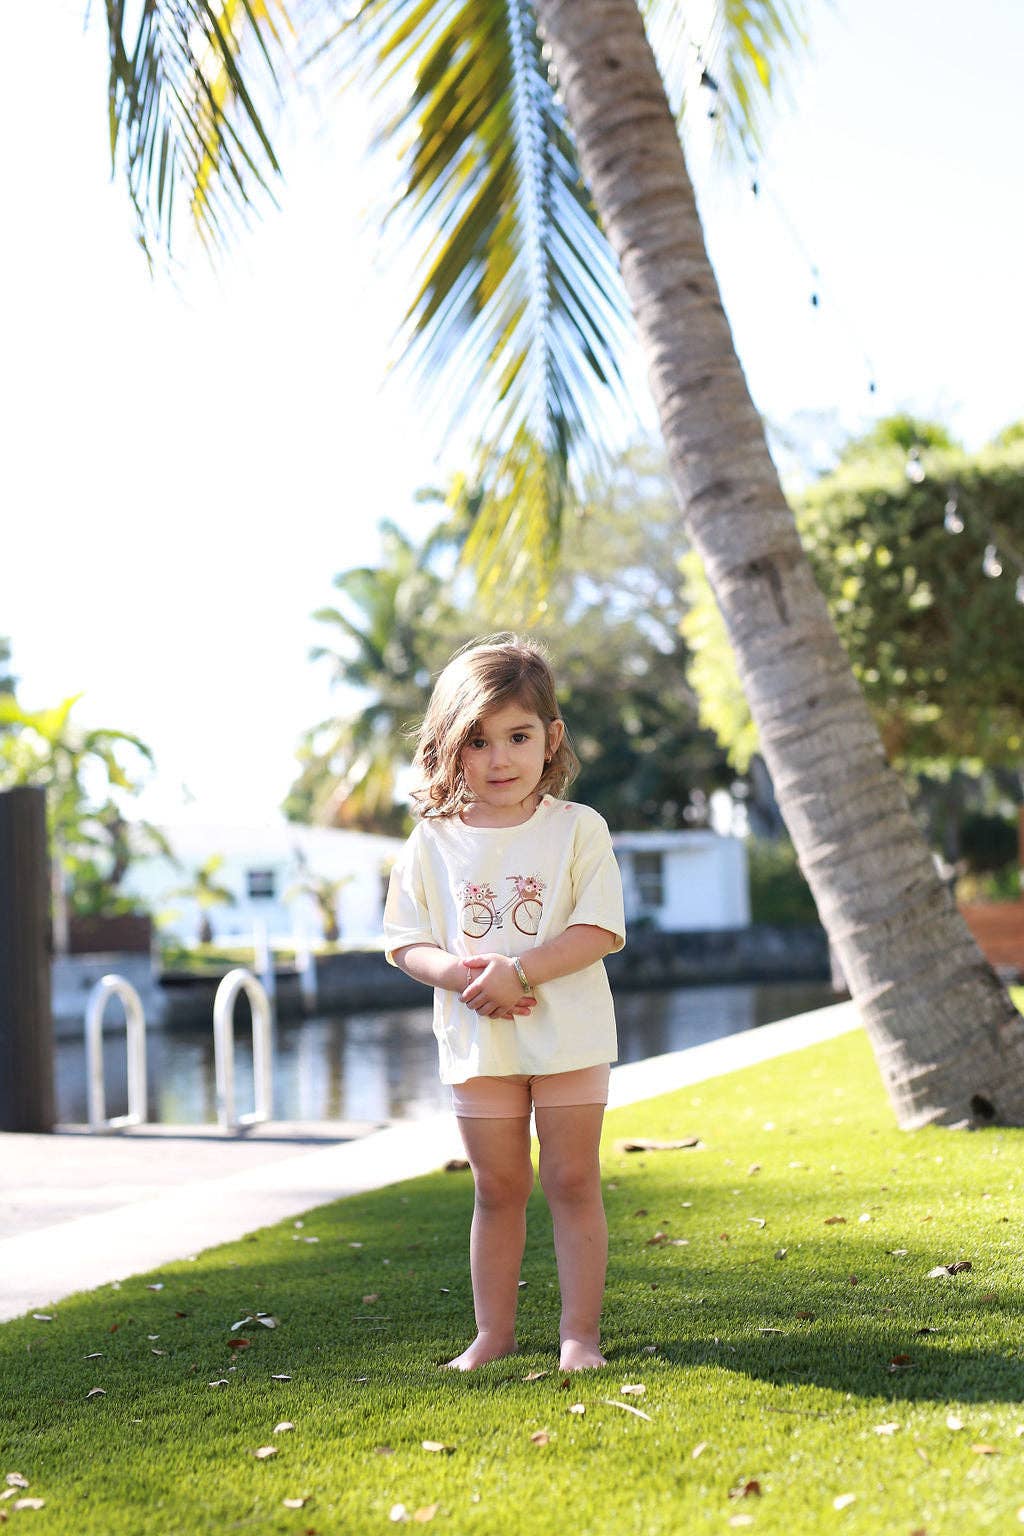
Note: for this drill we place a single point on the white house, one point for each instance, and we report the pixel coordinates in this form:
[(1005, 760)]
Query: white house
[(674, 881), (684, 881), (263, 868)]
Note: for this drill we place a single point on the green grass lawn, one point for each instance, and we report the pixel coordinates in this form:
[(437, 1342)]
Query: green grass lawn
[(783, 1326)]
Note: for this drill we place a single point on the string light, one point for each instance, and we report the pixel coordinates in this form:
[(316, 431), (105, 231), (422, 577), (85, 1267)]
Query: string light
[(990, 562), (996, 554), (723, 107), (915, 470)]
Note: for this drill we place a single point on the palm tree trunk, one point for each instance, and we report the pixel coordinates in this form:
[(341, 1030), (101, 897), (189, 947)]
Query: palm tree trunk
[(948, 1040)]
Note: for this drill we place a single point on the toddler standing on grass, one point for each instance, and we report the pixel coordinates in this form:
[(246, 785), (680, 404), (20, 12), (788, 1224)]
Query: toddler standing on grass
[(505, 900)]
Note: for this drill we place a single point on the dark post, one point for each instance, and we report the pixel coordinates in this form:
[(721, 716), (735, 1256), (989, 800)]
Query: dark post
[(26, 1018)]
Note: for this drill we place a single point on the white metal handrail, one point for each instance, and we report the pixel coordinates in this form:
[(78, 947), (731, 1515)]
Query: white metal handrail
[(106, 988), (236, 981)]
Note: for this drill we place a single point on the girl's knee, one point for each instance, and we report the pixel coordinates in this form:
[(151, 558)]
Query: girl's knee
[(572, 1183), (503, 1189)]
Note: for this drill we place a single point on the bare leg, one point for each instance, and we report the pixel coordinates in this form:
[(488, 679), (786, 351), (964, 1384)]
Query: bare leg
[(570, 1174), (499, 1155)]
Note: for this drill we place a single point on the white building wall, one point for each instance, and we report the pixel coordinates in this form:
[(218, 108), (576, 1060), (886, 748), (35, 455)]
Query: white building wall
[(363, 858), (704, 879)]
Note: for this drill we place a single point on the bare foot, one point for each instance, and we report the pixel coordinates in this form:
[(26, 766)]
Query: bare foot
[(578, 1355), (481, 1351)]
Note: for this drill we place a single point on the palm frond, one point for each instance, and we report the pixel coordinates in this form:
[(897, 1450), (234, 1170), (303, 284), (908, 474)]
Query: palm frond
[(519, 318), (734, 65), (184, 118)]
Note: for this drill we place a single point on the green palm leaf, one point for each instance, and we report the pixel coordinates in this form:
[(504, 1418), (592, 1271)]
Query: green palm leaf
[(183, 116), (519, 308)]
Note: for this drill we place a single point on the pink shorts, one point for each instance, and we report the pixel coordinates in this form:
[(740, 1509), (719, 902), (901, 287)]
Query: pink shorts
[(501, 1098)]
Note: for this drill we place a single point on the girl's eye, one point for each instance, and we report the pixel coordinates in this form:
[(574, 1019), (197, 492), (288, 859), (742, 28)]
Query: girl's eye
[(519, 737), (478, 744)]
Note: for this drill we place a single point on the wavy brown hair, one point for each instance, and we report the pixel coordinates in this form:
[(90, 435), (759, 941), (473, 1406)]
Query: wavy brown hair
[(479, 680)]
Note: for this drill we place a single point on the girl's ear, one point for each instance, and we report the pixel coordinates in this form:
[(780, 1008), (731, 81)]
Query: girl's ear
[(556, 731)]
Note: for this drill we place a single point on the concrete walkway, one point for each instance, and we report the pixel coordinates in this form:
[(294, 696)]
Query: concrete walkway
[(79, 1210)]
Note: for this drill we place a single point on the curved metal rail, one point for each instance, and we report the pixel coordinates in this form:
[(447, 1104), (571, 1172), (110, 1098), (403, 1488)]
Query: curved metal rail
[(106, 988), (236, 981)]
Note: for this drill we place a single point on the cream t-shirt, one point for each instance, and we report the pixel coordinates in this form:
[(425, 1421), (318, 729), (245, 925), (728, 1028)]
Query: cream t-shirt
[(486, 890)]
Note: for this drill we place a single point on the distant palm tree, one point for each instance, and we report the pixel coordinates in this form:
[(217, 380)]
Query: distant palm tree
[(539, 138), (390, 627), (203, 889), (46, 747), (325, 892)]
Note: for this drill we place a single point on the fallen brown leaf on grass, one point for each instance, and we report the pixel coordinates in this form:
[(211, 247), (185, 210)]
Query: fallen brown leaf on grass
[(940, 1271), (659, 1237), (427, 1512), (265, 1452), (535, 1375), (437, 1445), (769, 1330), (808, 1317), (369, 1300), (628, 1408), (540, 1437), (645, 1144), (900, 1363), (750, 1489), (835, 1221), (985, 1450), (239, 1343)]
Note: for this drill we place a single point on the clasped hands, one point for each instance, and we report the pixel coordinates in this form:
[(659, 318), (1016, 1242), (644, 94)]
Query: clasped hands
[(494, 989)]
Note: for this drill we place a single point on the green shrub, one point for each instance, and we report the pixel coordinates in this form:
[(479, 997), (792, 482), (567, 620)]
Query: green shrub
[(779, 894)]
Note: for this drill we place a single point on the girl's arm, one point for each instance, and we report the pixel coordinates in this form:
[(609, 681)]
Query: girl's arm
[(496, 985), (435, 967)]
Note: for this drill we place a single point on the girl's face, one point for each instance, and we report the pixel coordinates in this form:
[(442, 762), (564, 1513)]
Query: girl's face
[(504, 761)]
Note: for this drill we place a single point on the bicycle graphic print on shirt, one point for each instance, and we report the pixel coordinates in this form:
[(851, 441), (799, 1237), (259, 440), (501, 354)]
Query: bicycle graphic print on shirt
[(481, 913)]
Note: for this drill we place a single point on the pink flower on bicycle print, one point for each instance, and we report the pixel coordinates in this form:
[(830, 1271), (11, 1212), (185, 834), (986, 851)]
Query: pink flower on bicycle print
[(527, 885), (470, 891)]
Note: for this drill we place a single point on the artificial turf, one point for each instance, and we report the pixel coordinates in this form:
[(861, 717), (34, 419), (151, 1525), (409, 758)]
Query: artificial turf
[(768, 1289)]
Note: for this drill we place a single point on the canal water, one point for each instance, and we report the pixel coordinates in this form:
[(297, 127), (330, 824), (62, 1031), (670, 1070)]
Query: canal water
[(383, 1066)]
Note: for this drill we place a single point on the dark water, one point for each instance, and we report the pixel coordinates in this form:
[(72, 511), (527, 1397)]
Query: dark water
[(383, 1066)]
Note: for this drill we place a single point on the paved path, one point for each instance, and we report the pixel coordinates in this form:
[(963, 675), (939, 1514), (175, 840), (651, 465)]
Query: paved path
[(79, 1210)]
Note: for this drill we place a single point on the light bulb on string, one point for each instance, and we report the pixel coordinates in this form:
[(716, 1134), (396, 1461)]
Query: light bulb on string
[(953, 522), (990, 562)]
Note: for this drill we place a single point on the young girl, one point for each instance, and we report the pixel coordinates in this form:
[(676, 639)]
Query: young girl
[(505, 900)]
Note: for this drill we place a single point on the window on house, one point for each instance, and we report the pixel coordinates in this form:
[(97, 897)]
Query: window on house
[(649, 874), (260, 883)]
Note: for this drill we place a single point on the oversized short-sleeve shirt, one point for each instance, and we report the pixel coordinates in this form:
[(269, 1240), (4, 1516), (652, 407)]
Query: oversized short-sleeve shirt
[(504, 890)]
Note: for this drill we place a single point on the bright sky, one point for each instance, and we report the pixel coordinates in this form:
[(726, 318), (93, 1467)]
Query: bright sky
[(184, 469)]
